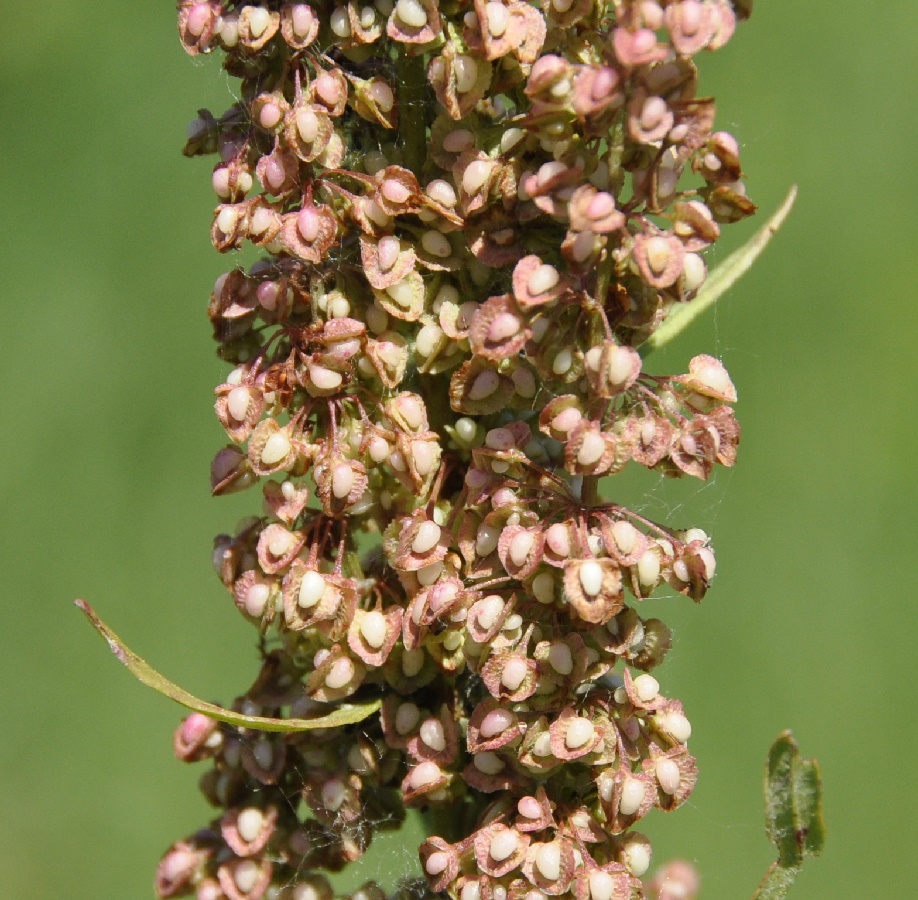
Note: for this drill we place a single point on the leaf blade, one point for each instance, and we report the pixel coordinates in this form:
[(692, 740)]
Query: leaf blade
[(146, 674), (794, 818), (720, 280)]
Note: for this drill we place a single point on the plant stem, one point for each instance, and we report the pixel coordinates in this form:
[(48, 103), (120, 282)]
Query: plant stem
[(412, 128)]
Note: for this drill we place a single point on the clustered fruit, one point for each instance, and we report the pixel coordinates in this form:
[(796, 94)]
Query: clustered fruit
[(472, 214)]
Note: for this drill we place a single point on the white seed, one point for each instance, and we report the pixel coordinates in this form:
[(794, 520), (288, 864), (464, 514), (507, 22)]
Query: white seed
[(424, 774), (591, 577), (466, 429), (246, 873), (648, 568), (558, 539), (668, 775), (520, 547), (484, 385), (632, 796), (524, 383), (496, 722), (503, 845), (394, 191), (620, 366), (543, 588), (407, 717), (302, 20), (249, 823), (635, 855), (259, 20), (676, 725), (452, 641), (510, 138), (592, 449), (412, 13), (513, 673), (427, 537), (436, 244), (540, 329), (412, 662), (312, 587), (470, 891), (341, 672), (561, 659), (541, 746), (333, 794), (280, 542), (543, 279), (373, 629), (498, 18), (436, 863), (378, 449), (658, 254), (579, 733), (584, 246), (680, 570), (646, 687), (466, 72), (442, 192), (379, 90), (402, 293), (342, 480), (625, 536), (307, 124), (433, 735), (387, 252), (256, 598), (340, 23), (428, 575), (601, 885), (227, 219), (504, 326), (548, 861), (325, 379), (220, 182), (475, 176), (562, 362), (488, 610), (458, 141), (710, 564), (694, 272), (486, 540), (488, 763), (375, 213), (428, 339)]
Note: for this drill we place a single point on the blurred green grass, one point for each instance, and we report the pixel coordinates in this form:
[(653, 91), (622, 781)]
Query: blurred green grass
[(106, 270)]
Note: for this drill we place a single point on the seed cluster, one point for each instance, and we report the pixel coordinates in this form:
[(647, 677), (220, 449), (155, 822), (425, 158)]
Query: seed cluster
[(472, 215)]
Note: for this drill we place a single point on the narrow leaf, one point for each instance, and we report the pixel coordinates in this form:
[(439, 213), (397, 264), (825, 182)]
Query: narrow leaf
[(719, 280), (793, 814), (145, 673)]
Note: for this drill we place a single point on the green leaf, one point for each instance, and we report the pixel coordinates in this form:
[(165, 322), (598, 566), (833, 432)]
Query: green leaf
[(145, 673), (720, 280), (793, 814)]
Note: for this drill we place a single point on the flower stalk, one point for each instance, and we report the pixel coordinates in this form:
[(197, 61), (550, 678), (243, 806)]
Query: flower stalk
[(475, 218)]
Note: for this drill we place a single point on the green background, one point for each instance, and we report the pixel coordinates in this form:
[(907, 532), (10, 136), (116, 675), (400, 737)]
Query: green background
[(108, 373)]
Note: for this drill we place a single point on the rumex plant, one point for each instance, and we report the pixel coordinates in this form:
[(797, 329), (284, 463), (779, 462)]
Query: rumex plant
[(474, 218)]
